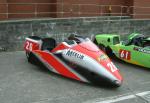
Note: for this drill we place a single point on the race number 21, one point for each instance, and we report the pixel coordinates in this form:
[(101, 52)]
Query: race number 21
[(124, 54), (112, 67)]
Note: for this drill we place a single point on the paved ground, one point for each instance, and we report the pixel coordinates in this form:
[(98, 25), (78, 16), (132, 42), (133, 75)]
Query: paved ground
[(21, 82)]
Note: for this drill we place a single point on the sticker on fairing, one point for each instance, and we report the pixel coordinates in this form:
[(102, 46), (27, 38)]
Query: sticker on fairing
[(141, 50), (72, 53), (124, 54), (102, 57)]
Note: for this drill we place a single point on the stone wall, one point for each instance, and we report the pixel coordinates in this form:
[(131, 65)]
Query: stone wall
[(13, 33)]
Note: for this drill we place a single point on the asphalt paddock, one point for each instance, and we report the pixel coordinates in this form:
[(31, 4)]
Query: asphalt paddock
[(22, 82)]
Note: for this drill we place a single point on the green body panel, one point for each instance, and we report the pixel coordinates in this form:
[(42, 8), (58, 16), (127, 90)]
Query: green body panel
[(136, 57), (129, 53), (131, 36), (106, 39)]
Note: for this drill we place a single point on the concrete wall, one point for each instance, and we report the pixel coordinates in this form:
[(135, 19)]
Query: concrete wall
[(13, 33)]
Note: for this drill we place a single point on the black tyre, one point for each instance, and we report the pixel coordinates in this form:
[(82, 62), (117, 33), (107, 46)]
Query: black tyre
[(102, 47), (30, 57), (95, 41)]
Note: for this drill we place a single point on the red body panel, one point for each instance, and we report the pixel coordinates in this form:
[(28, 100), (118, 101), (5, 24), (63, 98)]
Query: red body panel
[(57, 65), (87, 48), (31, 45), (60, 46), (96, 54)]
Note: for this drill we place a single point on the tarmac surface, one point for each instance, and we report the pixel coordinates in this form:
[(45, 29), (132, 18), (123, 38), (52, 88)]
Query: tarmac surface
[(22, 82)]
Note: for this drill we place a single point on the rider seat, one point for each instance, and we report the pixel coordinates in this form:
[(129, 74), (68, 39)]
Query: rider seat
[(48, 44)]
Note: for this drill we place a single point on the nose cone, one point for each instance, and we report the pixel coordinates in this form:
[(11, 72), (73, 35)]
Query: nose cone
[(105, 81), (117, 83), (119, 78), (112, 73), (113, 79)]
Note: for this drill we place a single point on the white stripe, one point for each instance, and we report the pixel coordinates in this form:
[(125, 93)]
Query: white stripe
[(51, 68), (32, 40), (120, 98), (71, 70), (90, 64), (46, 64), (66, 44), (143, 93)]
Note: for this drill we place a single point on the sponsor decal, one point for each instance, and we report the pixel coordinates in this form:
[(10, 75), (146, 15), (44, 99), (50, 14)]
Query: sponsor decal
[(75, 54), (102, 57), (142, 50)]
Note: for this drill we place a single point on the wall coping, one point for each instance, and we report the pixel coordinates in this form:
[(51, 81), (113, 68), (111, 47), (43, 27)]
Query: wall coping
[(72, 18)]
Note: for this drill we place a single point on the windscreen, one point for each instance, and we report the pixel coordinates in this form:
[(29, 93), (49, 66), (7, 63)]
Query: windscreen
[(116, 40), (89, 45)]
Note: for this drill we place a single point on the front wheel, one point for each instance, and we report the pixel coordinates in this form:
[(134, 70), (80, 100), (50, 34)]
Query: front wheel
[(95, 41), (102, 47)]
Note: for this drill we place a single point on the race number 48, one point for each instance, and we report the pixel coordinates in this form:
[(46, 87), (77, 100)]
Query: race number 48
[(124, 54)]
